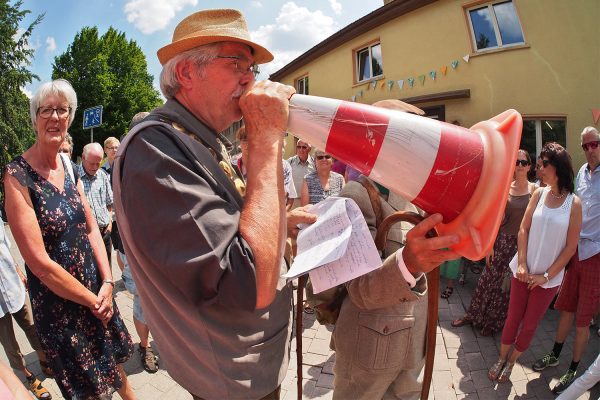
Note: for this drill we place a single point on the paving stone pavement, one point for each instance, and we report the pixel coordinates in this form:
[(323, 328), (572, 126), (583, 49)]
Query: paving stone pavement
[(460, 370)]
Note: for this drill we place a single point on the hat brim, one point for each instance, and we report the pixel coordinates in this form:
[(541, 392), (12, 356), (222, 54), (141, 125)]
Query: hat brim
[(261, 55)]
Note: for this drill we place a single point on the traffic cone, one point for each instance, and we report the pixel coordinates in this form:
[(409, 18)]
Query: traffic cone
[(464, 174)]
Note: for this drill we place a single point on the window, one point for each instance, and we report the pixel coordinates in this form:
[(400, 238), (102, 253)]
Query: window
[(494, 26), (368, 62), (302, 85), (537, 132)]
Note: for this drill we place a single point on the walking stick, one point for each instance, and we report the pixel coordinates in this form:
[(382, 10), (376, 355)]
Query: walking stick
[(299, 316), (433, 285)]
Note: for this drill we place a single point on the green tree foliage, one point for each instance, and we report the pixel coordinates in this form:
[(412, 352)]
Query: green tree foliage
[(110, 71), (16, 133)]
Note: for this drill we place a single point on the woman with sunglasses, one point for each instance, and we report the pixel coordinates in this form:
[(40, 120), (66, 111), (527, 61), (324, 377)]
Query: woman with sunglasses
[(323, 182), (489, 304), (547, 240)]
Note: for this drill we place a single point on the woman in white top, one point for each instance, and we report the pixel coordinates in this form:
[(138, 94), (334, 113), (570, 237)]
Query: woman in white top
[(547, 239)]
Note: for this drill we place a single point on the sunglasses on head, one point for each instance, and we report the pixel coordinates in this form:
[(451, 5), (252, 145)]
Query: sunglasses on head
[(523, 163), (590, 145), (326, 156), (302, 147)]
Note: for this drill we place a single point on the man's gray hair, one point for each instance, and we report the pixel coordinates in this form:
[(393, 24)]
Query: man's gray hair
[(590, 129), (201, 55), (60, 88), (137, 118), (91, 147), (69, 140)]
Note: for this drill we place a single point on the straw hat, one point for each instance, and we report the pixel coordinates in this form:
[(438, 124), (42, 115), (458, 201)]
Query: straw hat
[(210, 26)]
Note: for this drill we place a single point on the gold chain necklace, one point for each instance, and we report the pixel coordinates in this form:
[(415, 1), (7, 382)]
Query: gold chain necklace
[(556, 196)]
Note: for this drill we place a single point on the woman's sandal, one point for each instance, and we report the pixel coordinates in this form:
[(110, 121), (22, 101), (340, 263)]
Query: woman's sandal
[(496, 369), (308, 309), (447, 292), (37, 389), (505, 374), (457, 323), (46, 369)]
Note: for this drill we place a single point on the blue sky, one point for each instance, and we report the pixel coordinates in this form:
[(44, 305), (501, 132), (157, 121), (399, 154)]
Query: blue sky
[(287, 28)]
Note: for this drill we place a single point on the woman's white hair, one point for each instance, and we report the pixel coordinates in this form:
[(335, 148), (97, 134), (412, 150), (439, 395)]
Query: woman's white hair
[(202, 55), (59, 88)]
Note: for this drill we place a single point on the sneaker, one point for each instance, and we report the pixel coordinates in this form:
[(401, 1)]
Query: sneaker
[(149, 359), (564, 382), (549, 360)]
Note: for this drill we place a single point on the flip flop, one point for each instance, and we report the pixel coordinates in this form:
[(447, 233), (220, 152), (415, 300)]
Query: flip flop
[(457, 323)]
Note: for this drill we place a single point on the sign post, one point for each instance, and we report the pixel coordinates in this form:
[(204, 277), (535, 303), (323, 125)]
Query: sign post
[(92, 117)]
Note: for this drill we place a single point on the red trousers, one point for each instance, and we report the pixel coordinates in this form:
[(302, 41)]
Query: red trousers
[(525, 311)]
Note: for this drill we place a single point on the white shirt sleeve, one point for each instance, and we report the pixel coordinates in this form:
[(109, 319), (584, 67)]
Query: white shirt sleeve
[(410, 279)]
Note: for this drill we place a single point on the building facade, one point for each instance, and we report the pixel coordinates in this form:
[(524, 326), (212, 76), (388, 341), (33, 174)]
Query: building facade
[(467, 61)]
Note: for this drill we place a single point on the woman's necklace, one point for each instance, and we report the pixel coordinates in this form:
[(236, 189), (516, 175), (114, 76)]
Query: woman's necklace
[(557, 196)]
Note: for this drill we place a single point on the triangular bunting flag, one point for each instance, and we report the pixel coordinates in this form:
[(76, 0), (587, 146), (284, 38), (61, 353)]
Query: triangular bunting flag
[(353, 98), (382, 84), (466, 58), (422, 79), (596, 115), (443, 70), (390, 84), (374, 84), (360, 93), (454, 64), (433, 75), (411, 81), (400, 83)]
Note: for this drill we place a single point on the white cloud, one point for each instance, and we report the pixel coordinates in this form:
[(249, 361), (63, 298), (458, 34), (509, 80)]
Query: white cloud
[(256, 4), (27, 92), (335, 6), (51, 44), (296, 29), (153, 15)]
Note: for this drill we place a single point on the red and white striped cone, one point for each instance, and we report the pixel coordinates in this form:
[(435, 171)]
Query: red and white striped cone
[(464, 174)]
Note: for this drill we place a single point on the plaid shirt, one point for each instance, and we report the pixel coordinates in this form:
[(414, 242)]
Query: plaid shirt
[(99, 194)]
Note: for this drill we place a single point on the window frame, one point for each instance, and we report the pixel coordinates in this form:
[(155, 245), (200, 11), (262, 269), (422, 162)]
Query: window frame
[(490, 6), (303, 78), (355, 61), (537, 119)]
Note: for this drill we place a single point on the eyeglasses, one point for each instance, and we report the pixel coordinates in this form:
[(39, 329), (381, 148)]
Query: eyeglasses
[(590, 145), (61, 112), (113, 148), (242, 67), (302, 147), (523, 163), (64, 151), (327, 156)]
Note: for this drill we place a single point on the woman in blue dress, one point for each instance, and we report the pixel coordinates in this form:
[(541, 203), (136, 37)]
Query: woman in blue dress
[(70, 281)]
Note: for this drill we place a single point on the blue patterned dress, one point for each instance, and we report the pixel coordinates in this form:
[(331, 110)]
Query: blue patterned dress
[(82, 353)]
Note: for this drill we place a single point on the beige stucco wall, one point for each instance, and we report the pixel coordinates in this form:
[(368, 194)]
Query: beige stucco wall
[(555, 74)]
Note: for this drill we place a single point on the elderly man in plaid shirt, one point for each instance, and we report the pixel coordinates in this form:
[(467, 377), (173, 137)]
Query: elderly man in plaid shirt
[(96, 185)]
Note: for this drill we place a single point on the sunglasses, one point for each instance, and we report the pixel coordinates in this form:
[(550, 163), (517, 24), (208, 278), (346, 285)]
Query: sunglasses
[(590, 145), (523, 163), (327, 156), (302, 147)]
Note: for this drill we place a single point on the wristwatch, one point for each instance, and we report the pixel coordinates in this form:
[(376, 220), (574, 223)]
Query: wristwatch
[(109, 281), (546, 276)]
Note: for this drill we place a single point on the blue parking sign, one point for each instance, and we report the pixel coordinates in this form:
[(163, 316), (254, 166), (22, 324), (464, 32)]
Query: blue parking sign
[(92, 117)]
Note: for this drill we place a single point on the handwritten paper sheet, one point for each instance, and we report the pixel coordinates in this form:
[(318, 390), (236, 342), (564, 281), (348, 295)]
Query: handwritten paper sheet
[(337, 248)]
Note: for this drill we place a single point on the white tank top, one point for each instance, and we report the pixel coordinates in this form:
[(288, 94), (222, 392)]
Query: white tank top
[(547, 238)]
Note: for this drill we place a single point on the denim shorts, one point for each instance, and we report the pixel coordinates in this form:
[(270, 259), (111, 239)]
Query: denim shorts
[(130, 286)]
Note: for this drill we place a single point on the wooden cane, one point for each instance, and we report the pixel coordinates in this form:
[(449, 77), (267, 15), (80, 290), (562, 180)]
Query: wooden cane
[(299, 316), (433, 285)]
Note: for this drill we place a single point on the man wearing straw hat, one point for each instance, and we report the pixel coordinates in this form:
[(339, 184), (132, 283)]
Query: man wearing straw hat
[(207, 263)]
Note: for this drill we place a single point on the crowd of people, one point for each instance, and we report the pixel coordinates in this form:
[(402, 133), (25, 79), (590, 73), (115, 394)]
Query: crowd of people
[(200, 241)]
